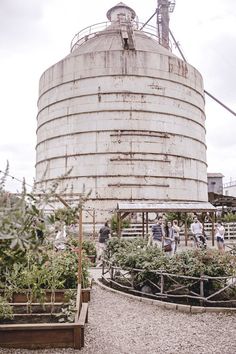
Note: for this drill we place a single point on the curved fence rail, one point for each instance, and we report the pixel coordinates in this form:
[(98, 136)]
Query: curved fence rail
[(158, 284), (91, 31)]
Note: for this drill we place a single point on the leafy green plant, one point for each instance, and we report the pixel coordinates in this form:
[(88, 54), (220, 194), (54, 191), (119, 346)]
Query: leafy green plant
[(229, 217), (27, 263), (10, 282), (48, 270), (181, 217), (114, 223), (134, 255), (67, 215), (6, 311), (89, 248), (68, 310)]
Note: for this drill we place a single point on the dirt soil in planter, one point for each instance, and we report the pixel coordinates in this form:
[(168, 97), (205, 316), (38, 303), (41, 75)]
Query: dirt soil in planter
[(31, 319)]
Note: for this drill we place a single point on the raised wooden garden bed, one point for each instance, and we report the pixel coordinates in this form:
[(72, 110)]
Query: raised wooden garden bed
[(58, 296), (46, 335)]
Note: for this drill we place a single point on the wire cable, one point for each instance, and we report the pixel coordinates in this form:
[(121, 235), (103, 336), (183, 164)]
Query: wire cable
[(15, 178), (184, 59)]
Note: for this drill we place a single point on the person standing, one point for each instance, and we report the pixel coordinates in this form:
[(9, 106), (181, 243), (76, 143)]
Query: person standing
[(197, 230), (104, 235), (176, 230), (220, 236), (158, 233), (169, 239)]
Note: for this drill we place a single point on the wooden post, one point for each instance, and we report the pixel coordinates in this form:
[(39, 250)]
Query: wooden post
[(203, 221), (146, 223), (80, 246), (201, 288), (213, 228), (228, 231), (94, 231), (162, 283), (119, 224), (143, 224), (112, 274), (186, 230)]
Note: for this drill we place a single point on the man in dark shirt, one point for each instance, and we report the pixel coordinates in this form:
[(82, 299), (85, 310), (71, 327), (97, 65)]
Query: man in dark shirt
[(104, 235), (158, 233)]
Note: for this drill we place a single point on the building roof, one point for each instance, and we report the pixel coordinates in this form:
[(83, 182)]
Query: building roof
[(219, 175), (166, 207), (222, 200)]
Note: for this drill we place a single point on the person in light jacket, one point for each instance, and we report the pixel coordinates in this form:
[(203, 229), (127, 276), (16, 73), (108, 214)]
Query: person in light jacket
[(176, 230), (220, 236), (197, 231)]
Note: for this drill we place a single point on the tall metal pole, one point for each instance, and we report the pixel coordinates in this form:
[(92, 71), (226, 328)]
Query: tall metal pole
[(165, 24), (80, 245)]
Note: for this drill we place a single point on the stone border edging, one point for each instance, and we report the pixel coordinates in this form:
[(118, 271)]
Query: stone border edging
[(168, 305)]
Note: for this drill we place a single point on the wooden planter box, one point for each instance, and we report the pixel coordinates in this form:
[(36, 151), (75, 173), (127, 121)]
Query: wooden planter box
[(47, 335), (59, 296)]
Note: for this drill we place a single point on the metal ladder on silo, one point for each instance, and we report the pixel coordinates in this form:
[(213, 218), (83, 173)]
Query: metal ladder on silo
[(127, 35)]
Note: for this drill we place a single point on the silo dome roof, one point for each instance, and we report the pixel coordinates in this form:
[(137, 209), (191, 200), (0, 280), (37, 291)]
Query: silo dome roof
[(121, 30)]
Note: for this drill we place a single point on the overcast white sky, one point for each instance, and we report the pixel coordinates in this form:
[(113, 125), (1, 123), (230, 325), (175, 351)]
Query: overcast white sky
[(35, 34)]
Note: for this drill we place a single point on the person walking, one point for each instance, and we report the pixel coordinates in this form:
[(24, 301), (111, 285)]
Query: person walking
[(158, 233), (169, 239), (104, 235), (176, 230), (220, 236), (197, 231)]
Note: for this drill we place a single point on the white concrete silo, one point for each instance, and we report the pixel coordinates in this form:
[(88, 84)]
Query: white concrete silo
[(127, 115)]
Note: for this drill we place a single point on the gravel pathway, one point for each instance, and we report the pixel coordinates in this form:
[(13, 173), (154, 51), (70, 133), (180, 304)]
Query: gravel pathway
[(119, 325)]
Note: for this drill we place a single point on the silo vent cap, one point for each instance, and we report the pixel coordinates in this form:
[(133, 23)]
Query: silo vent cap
[(120, 9)]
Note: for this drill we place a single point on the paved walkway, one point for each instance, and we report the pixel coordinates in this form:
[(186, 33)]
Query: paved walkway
[(119, 325)]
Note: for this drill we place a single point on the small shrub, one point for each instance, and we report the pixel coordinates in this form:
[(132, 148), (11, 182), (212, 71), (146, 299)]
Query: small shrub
[(134, 254), (6, 311), (89, 248), (229, 217), (68, 310), (114, 224)]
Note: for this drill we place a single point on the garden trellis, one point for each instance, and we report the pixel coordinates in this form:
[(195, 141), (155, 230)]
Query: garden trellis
[(204, 290)]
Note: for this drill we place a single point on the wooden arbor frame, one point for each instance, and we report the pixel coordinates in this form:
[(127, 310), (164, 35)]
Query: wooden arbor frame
[(124, 209)]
